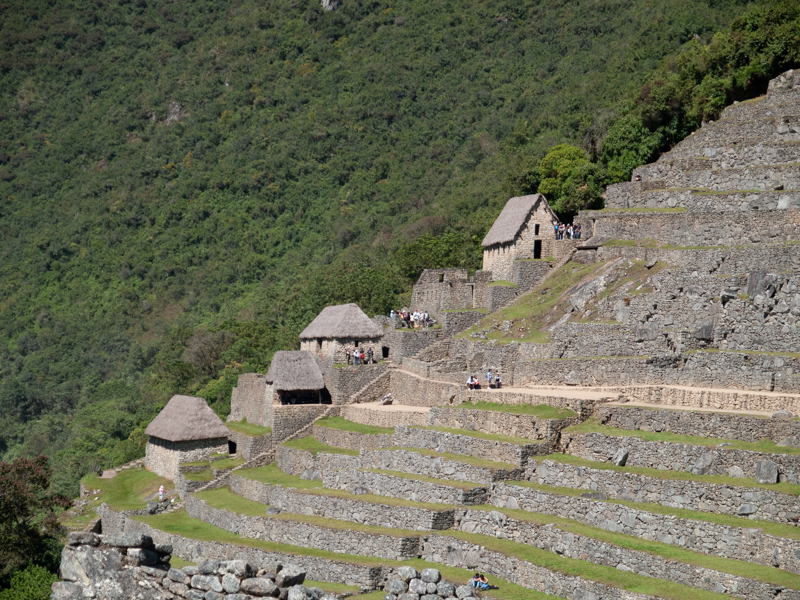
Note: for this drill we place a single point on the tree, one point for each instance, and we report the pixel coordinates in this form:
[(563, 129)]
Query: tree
[(570, 181), (33, 583), (28, 526)]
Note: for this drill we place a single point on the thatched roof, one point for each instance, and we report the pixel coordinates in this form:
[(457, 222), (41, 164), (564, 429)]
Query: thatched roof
[(295, 371), (186, 418), (513, 217), (345, 321)]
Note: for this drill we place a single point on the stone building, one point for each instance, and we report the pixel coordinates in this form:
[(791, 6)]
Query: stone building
[(186, 430), (524, 230), (336, 327), (294, 378), (249, 400)]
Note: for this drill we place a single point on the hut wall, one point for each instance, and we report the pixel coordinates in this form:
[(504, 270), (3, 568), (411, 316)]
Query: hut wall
[(438, 290), (251, 399), (287, 420), (343, 382), (332, 349), (499, 258), (162, 457)]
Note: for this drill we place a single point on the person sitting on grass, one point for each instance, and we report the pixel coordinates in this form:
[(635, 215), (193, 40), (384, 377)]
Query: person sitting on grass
[(480, 582)]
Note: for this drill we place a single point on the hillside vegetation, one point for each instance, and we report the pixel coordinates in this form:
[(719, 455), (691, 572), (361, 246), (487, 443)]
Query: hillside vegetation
[(184, 185)]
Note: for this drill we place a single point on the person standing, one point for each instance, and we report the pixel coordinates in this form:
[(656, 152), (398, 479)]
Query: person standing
[(488, 379), (347, 355), (356, 354), (497, 381), (391, 314), (370, 355), (161, 493)]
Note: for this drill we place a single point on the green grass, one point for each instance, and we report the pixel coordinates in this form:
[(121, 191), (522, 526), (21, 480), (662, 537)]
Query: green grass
[(501, 283), (764, 445), (311, 444), (273, 475), (345, 425), (532, 312), (494, 437), (176, 562), (223, 498), (667, 551), (204, 475), (334, 588), (783, 488), (246, 428), (543, 411), (462, 485), (227, 463), (481, 463), (128, 489)]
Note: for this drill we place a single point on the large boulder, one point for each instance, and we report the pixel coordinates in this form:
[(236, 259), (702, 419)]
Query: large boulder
[(703, 464), (766, 471), (290, 575), (620, 457)]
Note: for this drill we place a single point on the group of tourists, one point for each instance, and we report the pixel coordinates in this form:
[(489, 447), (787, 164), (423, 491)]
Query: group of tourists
[(480, 582), (415, 319), (567, 232), (492, 381), (359, 356)]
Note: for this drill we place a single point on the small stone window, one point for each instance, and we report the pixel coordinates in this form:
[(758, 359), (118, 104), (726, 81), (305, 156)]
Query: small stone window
[(441, 277), (536, 229)]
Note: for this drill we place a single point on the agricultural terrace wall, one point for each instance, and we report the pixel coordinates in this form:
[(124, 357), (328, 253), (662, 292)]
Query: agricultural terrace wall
[(500, 423), (548, 537), (342, 381), (440, 441), (765, 504), (455, 321), (740, 543), (408, 342), (350, 439), (302, 463), (716, 399), (367, 482), (250, 400), (460, 553), (382, 418), (249, 446), (434, 466), (439, 290), (528, 272), (572, 340), (740, 370), (722, 261), (690, 229), (319, 569), (671, 456), (497, 296), (706, 424), (343, 509), (629, 195), (289, 419), (299, 533), (162, 457)]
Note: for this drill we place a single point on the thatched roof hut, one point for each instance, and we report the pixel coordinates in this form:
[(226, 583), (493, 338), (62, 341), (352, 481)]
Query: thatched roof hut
[(513, 218), (295, 372), (345, 321), (186, 418)]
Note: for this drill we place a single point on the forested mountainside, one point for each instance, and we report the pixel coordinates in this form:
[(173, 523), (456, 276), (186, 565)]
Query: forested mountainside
[(183, 186)]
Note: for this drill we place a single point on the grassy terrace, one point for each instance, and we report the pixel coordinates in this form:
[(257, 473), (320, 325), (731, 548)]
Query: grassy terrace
[(542, 411), (182, 525), (509, 439), (310, 444), (345, 425), (765, 445), (462, 458), (770, 527), (783, 488), (462, 485), (128, 490), (272, 475), (179, 523), (204, 475), (246, 428), (225, 463)]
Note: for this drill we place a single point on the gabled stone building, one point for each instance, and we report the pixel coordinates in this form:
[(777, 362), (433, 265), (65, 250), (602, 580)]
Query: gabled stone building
[(339, 326), (523, 230), (294, 378), (186, 430)]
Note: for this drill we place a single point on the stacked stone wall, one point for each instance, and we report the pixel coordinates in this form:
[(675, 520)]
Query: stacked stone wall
[(757, 503), (408, 342), (249, 446), (671, 456), (714, 399), (367, 482), (455, 321), (630, 195), (164, 457), (382, 418), (343, 509), (289, 419), (251, 400), (352, 440), (453, 292), (749, 544), (745, 428), (497, 296), (343, 382), (527, 273), (435, 466), (293, 461), (299, 533)]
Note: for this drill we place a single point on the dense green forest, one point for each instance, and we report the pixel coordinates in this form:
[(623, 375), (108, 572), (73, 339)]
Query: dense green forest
[(184, 185)]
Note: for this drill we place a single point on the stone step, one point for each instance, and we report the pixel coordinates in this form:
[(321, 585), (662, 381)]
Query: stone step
[(777, 503), (746, 133), (394, 484), (716, 424), (603, 443), (758, 108), (760, 178)]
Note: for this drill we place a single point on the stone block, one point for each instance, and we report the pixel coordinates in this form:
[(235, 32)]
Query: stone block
[(208, 567), (703, 464), (396, 587), (142, 556), (83, 538), (209, 583), (620, 457), (290, 575), (766, 472), (127, 540), (735, 471), (431, 576), (747, 509), (177, 575), (446, 589), (464, 591), (230, 583), (260, 587), (407, 573), (417, 586)]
